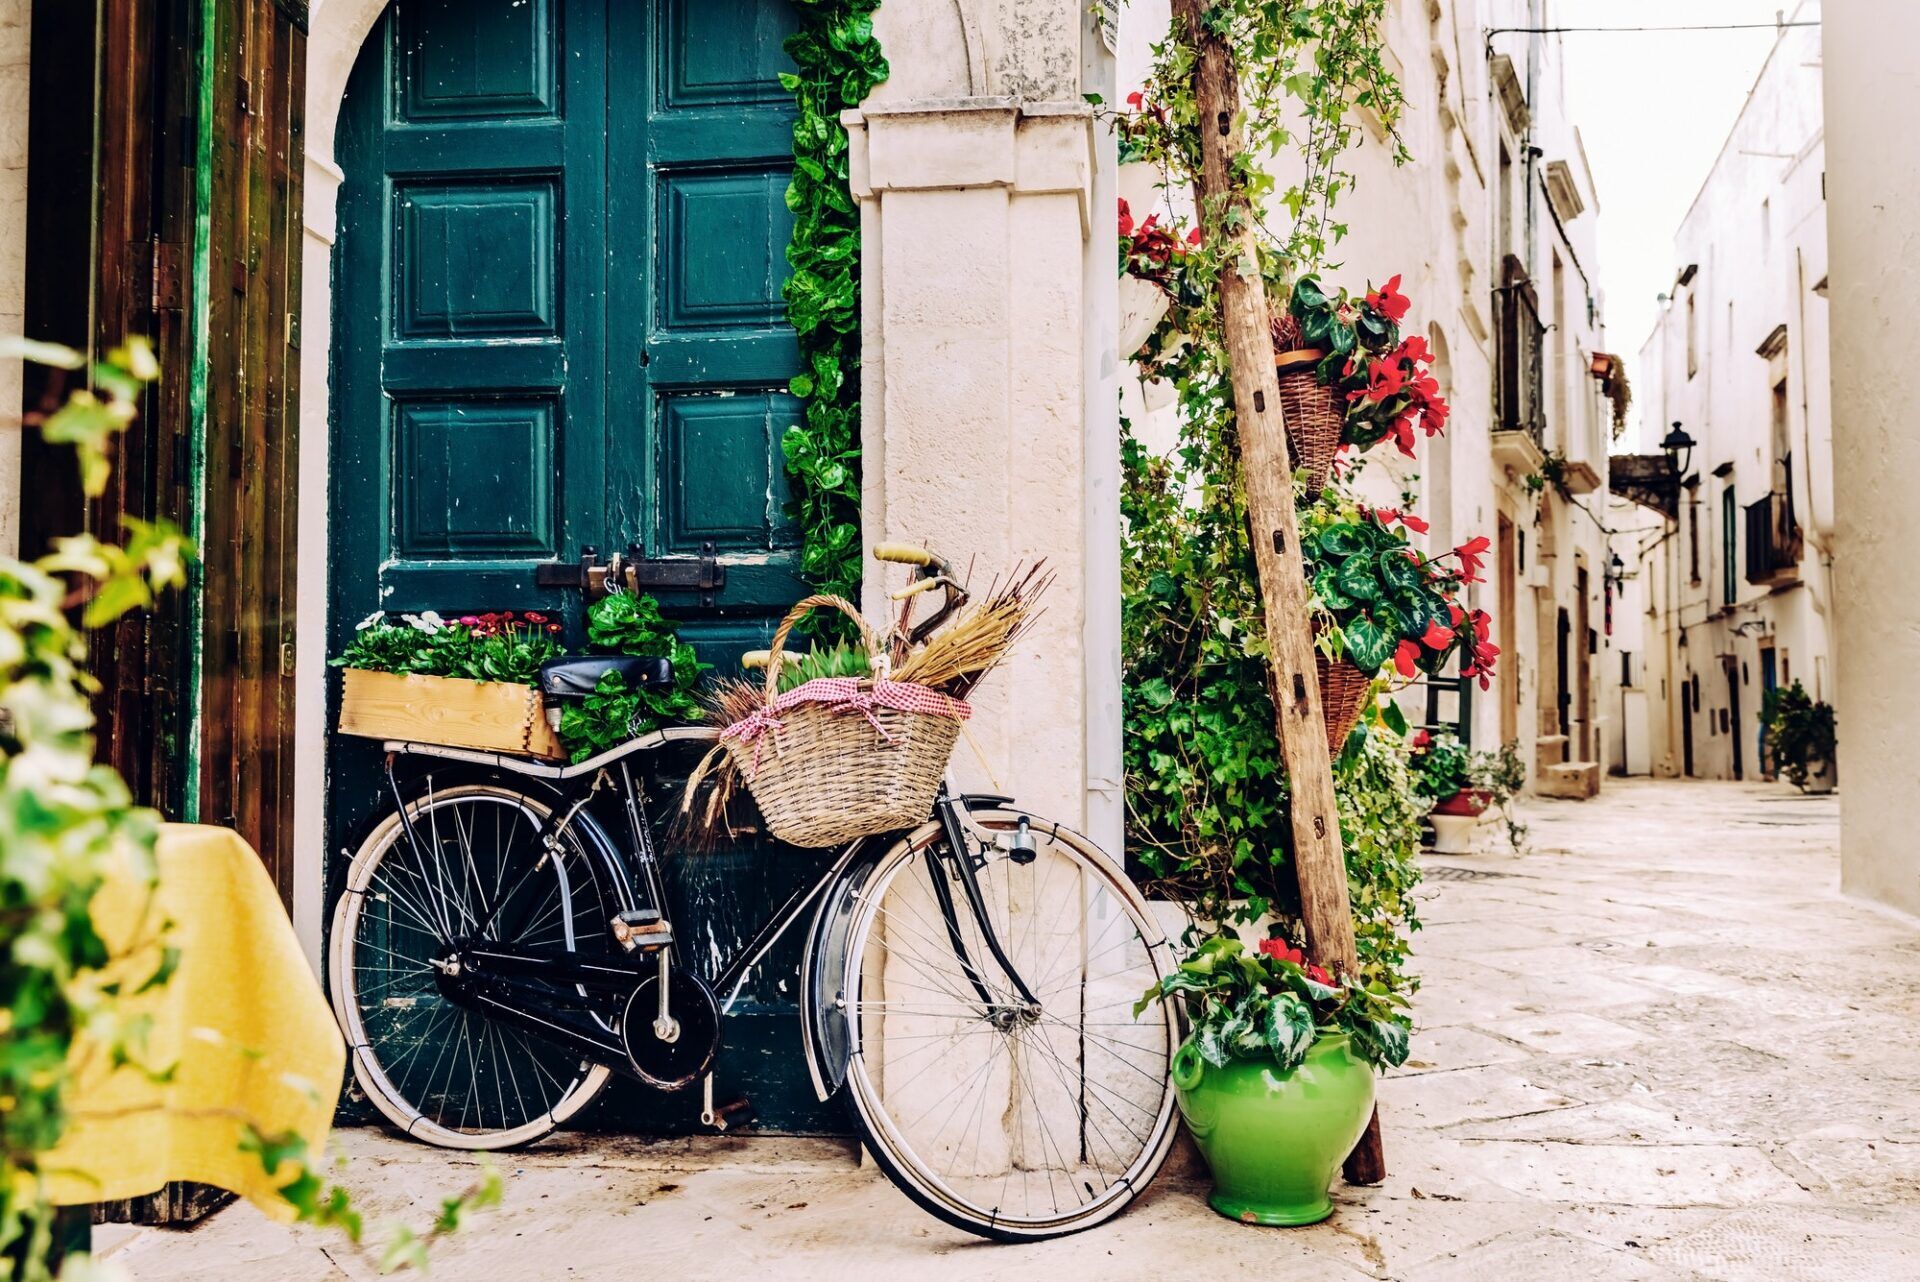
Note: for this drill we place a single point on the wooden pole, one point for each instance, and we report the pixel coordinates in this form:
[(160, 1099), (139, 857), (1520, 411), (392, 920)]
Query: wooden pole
[(1319, 866)]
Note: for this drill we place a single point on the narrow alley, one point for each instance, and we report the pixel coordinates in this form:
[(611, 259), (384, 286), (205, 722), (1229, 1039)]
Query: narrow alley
[(1657, 1045)]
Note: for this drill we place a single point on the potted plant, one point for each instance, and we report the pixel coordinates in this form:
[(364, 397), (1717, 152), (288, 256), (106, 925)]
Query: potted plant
[(1442, 771), (1378, 600), (1276, 1079), (468, 682), (1348, 378), (1152, 257), (1802, 733), (1463, 786)]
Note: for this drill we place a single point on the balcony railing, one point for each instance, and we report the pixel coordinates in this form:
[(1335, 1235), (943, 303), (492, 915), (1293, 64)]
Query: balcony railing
[(1773, 540)]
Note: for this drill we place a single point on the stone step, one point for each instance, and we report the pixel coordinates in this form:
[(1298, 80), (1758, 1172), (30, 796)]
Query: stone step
[(1576, 780), (1549, 750)]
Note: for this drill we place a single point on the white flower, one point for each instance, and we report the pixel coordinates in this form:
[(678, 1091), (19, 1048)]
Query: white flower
[(370, 620)]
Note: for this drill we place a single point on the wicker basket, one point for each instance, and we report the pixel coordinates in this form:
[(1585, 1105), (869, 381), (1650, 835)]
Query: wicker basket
[(823, 775), (1343, 696), (1314, 416)]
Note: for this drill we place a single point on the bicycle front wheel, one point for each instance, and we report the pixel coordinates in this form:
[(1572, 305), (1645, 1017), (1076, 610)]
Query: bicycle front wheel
[(1014, 1120)]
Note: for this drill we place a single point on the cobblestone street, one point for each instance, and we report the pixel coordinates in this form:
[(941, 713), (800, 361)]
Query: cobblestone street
[(1657, 1045)]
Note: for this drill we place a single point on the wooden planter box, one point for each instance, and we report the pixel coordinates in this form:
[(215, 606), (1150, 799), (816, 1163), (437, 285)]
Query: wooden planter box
[(492, 716)]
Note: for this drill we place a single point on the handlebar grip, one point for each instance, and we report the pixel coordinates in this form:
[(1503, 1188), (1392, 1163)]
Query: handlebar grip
[(918, 586), (904, 553)]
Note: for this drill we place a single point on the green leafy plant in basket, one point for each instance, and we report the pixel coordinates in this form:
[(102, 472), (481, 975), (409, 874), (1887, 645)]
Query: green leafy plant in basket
[(1377, 599), (1383, 382), (631, 623), (841, 659)]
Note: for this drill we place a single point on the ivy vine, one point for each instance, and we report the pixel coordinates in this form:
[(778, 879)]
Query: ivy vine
[(837, 63), (1207, 793)]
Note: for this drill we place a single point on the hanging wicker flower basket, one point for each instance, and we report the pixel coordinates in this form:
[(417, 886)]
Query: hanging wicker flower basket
[(1314, 415), (1343, 697)]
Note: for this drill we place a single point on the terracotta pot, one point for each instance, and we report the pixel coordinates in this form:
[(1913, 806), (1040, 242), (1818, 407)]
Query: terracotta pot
[(1468, 801), (1314, 415)]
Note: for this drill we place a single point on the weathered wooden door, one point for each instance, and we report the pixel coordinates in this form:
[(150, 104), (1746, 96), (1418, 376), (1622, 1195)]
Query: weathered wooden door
[(559, 326)]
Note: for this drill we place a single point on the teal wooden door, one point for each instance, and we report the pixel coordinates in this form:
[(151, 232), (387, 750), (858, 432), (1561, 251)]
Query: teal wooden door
[(558, 326)]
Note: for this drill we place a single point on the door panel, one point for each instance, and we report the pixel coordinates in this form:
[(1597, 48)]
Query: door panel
[(559, 325)]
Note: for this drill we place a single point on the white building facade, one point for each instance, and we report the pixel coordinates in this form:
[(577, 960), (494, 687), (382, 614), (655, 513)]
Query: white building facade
[(1736, 590)]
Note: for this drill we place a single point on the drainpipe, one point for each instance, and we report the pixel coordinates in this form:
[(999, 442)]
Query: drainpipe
[(1100, 513)]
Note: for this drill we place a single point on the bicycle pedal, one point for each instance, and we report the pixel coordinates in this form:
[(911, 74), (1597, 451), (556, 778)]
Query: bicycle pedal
[(642, 930), (731, 1116)]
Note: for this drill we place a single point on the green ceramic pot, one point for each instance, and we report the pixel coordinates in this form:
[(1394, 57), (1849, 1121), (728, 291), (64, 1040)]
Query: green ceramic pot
[(1273, 1140)]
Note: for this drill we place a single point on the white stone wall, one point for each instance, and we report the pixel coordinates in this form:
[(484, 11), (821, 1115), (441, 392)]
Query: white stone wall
[(1753, 249), (1873, 189), (15, 49)]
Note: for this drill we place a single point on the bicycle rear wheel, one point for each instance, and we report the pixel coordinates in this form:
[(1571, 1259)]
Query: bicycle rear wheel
[(438, 1071), (1012, 1121)]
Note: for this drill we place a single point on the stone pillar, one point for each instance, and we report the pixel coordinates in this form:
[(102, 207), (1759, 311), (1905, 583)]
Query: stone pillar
[(1873, 190), (974, 227)]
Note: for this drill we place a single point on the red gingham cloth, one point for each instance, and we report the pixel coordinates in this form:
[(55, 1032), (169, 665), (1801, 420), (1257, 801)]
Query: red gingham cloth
[(847, 694)]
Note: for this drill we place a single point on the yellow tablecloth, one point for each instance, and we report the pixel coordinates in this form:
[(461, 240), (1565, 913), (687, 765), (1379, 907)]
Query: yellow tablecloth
[(243, 1024)]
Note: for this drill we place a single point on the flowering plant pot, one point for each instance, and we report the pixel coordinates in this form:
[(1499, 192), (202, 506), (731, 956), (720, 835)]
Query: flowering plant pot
[(1377, 599), (1143, 304), (1470, 802), (1380, 386), (1276, 1081), (1314, 415), (1274, 1137)]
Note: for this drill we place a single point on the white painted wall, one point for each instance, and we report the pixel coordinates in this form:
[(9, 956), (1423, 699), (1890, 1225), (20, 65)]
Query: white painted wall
[(15, 50), (1873, 191), (1756, 241)]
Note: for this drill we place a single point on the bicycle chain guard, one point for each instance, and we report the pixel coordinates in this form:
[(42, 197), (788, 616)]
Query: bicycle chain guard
[(677, 1064)]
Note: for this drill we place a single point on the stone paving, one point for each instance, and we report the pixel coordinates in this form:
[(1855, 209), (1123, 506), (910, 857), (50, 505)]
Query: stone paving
[(1656, 1045)]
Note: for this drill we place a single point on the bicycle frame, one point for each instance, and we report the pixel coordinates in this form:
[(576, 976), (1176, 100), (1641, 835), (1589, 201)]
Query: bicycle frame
[(552, 992)]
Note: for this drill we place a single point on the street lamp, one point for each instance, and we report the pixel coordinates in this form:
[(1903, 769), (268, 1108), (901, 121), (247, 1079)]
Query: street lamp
[(1616, 572), (1678, 447)]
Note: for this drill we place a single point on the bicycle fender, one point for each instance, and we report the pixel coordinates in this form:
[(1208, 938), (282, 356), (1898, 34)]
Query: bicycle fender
[(823, 1021)]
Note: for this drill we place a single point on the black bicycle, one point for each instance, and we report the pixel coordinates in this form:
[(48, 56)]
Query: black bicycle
[(966, 986)]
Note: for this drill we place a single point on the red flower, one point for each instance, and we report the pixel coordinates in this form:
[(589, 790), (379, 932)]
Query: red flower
[(1472, 555), (1406, 659), (1414, 523), (1135, 98), (1415, 348), (1319, 976), (1389, 301), (1401, 430), (1422, 741), (1280, 950), (1126, 218), (1384, 378), (1193, 237), (1433, 415), (1458, 614), (1438, 636)]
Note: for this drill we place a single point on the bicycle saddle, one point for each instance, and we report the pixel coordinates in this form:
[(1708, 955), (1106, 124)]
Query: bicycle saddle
[(575, 676)]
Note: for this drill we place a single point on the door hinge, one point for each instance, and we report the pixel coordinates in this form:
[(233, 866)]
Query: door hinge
[(165, 271)]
